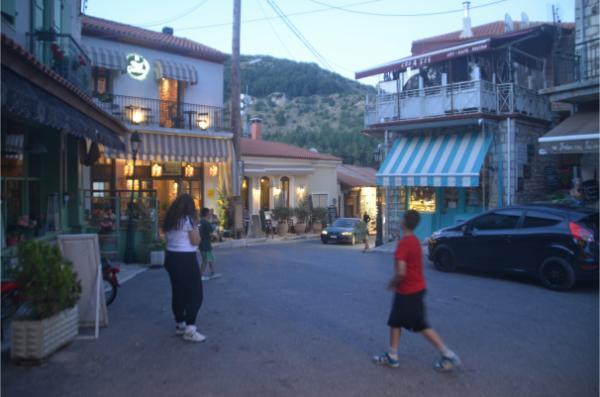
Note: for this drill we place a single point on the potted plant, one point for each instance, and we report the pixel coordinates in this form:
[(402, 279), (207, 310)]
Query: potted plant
[(302, 214), (157, 252), (319, 216), (50, 292), (282, 214)]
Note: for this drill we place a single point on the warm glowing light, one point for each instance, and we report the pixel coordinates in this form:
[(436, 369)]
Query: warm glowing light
[(188, 170), (202, 121), (244, 184), (276, 191), (128, 170), (130, 183), (156, 170), (213, 170), (137, 116), (300, 190)]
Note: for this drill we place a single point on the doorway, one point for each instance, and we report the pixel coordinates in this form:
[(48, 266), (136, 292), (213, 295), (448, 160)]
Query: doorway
[(171, 97), (264, 193)]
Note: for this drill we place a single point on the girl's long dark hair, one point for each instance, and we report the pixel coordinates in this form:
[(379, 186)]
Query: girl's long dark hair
[(183, 207)]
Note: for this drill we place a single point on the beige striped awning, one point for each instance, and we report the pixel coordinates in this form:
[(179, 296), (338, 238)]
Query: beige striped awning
[(106, 58), (176, 71), (176, 147)]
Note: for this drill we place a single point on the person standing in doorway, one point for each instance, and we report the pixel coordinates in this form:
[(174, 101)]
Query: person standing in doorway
[(182, 265), (408, 308), (208, 259), (366, 220)]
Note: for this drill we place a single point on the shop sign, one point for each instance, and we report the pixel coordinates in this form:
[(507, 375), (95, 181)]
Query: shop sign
[(583, 146), (171, 168), (138, 67)]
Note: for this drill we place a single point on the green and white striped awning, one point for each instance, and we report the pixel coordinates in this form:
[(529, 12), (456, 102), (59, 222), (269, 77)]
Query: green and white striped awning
[(176, 70), (106, 58), (177, 147)]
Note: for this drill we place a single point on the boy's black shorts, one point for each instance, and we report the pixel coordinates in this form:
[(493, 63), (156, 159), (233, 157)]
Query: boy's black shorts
[(408, 311)]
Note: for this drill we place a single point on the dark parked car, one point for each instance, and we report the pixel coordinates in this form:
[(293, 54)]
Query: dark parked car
[(348, 230), (557, 244)]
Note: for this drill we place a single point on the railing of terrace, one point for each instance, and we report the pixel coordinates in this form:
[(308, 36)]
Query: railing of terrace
[(158, 113)]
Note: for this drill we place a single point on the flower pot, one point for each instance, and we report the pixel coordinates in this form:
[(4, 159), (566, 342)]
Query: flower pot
[(317, 227), (37, 339), (282, 228), (157, 258), (300, 228)]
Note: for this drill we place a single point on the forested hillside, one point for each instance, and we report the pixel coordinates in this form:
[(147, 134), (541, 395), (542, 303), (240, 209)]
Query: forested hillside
[(304, 105)]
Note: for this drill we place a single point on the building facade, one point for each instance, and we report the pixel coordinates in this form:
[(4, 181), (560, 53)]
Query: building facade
[(358, 192), (169, 90), (50, 124), (281, 175), (460, 119)]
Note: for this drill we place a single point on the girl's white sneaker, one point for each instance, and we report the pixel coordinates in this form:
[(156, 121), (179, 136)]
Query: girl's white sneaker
[(192, 335)]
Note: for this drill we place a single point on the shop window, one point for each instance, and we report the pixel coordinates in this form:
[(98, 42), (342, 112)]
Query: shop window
[(264, 193), (396, 205), (9, 11), (450, 197), (285, 191), (171, 95), (474, 197), (319, 200), (422, 199), (497, 221), (100, 189)]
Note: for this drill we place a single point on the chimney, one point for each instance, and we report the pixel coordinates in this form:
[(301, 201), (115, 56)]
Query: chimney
[(168, 30), (256, 128), (466, 32)]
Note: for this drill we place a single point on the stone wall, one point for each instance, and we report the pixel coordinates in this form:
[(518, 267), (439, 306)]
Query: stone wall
[(586, 20)]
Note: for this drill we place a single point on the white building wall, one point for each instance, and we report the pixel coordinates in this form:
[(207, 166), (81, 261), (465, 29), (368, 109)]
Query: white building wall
[(208, 91)]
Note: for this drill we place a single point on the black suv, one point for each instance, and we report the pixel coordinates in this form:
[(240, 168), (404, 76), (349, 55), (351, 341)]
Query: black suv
[(557, 244)]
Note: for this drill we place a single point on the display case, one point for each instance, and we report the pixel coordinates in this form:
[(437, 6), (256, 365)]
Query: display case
[(422, 199)]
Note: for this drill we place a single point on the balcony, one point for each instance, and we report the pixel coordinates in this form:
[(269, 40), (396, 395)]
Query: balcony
[(155, 113), (468, 97), (61, 53)]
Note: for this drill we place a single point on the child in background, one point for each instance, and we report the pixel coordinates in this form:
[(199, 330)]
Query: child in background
[(208, 259)]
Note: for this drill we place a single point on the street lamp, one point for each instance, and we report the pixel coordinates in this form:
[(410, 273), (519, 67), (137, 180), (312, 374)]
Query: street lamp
[(135, 142)]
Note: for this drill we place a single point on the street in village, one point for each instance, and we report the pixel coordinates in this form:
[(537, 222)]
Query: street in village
[(304, 319)]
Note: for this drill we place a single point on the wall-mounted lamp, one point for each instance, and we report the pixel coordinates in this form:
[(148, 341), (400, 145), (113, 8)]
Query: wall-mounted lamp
[(202, 121), (276, 191), (137, 116), (128, 169), (300, 190), (213, 170), (156, 170), (188, 170)]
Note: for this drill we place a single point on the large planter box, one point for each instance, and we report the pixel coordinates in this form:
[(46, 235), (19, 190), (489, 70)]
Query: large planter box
[(37, 339), (157, 258), (317, 227), (282, 228), (300, 228)]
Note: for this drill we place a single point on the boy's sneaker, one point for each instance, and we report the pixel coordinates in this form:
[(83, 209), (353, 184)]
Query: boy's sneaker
[(205, 277), (214, 275), (447, 363), (386, 359), (192, 335), (180, 328)]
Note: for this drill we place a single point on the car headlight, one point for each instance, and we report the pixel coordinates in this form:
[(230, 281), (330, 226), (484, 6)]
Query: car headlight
[(346, 233), (324, 232)]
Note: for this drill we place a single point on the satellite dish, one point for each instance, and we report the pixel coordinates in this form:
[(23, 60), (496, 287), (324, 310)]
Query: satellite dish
[(314, 150), (508, 23), (524, 20)]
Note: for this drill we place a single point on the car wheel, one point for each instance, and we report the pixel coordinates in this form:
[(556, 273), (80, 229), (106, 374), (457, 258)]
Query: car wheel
[(444, 260), (557, 274), (324, 240)]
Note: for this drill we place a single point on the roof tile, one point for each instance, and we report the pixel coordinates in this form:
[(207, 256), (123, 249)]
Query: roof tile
[(260, 148), (355, 176), (106, 29)]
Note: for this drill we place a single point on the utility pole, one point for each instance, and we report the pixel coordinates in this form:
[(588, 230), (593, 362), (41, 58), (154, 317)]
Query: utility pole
[(236, 122)]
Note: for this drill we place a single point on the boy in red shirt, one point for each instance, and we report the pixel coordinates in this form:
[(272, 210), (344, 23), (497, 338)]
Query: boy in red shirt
[(408, 309)]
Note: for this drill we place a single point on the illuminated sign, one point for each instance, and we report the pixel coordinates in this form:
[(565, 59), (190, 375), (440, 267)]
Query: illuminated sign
[(137, 66)]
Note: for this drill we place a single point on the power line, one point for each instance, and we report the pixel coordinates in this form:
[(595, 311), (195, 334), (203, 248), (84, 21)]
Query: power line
[(216, 25), (299, 35), (273, 29), (424, 14), (172, 19)]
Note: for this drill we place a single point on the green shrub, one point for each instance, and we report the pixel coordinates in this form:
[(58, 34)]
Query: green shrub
[(282, 213), (319, 214), (48, 282)]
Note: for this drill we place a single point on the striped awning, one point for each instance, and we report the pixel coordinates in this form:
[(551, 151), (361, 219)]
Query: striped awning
[(106, 58), (442, 160), (177, 147), (176, 71)]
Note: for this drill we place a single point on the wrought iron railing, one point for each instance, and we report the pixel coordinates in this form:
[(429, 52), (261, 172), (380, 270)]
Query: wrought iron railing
[(583, 65), (159, 113), (465, 97), (61, 53)]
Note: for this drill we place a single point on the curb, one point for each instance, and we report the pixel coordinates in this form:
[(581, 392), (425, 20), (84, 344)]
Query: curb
[(242, 243)]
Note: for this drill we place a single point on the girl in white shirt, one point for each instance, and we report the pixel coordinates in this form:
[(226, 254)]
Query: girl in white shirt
[(181, 262)]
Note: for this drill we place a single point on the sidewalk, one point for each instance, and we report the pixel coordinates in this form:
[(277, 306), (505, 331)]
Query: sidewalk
[(246, 242)]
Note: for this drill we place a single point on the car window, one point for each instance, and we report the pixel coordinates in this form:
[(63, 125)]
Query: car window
[(344, 223), (497, 221), (540, 219)]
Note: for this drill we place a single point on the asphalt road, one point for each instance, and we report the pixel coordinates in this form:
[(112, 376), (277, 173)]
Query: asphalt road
[(303, 319)]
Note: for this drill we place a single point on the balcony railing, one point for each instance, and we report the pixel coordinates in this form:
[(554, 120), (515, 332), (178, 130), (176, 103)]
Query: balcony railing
[(459, 98), (583, 65), (157, 113), (61, 53)]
